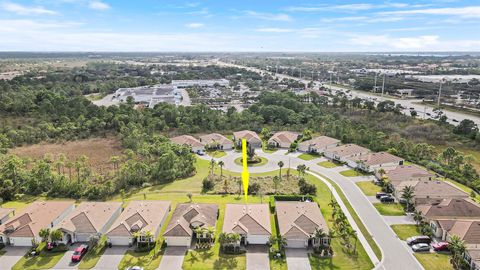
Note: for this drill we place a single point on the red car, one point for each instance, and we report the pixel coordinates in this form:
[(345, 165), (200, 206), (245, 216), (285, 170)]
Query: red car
[(440, 246), (79, 252)]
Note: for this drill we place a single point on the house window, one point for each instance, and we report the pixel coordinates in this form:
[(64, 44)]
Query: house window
[(325, 241)]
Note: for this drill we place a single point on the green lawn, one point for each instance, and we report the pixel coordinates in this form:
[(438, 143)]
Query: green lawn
[(369, 188), (434, 261), (390, 209), (2, 252), (308, 156), (328, 164), (93, 255), (405, 231), (351, 173), (216, 153), (45, 260), (149, 260), (276, 264), (262, 162)]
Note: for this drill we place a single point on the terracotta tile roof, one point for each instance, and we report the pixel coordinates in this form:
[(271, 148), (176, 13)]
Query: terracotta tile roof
[(249, 218), (431, 189), (36, 216), (467, 230), (89, 217), (379, 158), (188, 140), (407, 172), (284, 137), (296, 218), (248, 135), (187, 215), (140, 216), (348, 150), (462, 208), (215, 138), (319, 142)]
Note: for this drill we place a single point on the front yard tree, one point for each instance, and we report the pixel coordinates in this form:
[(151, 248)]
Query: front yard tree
[(56, 235), (44, 234), (212, 166), (407, 195), (221, 164), (302, 169), (457, 247), (280, 165)]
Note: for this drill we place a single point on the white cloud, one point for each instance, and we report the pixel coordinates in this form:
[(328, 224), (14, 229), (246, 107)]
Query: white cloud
[(98, 5), (15, 26), (269, 16), (26, 10), (274, 30), (464, 12), (350, 7), (396, 43), (195, 25)]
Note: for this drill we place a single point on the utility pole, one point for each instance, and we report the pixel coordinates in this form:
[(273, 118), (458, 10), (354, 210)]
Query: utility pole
[(440, 92), (383, 85), (375, 87)]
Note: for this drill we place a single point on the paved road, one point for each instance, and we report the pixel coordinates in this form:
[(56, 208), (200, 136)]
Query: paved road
[(111, 258), (395, 254), (11, 257), (297, 259), (66, 261), (407, 103), (173, 258), (257, 257)]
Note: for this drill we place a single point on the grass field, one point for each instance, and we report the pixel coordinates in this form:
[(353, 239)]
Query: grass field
[(45, 260), (434, 261), (328, 164), (308, 156), (216, 153), (351, 173), (405, 231), (98, 150), (262, 162), (390, 209), (369, 188)]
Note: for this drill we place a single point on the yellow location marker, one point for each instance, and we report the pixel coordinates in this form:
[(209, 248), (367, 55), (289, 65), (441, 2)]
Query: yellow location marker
[(245, 174)]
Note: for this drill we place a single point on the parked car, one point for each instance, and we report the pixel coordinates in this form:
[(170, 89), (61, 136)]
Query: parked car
[(418, 239), (79, 253), (454, 120), (421, 247), (440, 246), (134, 268), (200, 152), (380, 194), (402, 201), (51, 245), (387, 199)]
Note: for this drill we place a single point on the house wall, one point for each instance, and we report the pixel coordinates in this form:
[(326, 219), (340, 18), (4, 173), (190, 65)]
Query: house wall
[(257, 239), (23, 241), (178, 241), (121, 240), (297, 243)]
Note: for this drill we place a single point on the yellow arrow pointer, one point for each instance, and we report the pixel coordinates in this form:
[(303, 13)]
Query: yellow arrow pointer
[(245, 174)]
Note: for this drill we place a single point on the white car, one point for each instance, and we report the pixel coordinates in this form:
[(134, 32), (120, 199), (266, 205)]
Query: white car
[(421, 247)]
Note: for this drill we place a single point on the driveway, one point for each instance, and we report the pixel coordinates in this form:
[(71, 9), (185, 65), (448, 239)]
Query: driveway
[(173, 258), (257, 257), (391, 220), (11, 257), (66, 261), (111, 258), (297, 258)]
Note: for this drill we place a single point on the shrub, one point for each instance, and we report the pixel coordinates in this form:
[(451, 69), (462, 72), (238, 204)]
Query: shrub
[(207, 184), (306, 188), (253, 188)]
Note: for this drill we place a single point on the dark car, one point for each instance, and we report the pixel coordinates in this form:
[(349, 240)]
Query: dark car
[(387, 199), (421, 247), (381, 194), (418, 239), (440, 246), (79, 253)]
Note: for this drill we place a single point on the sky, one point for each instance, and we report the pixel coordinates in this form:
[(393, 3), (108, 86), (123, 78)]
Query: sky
[(242, 25)]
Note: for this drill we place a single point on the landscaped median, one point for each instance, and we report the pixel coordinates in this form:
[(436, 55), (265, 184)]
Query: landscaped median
[(259, 162)]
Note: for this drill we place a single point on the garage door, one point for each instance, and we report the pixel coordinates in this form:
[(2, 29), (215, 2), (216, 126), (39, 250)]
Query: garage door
[(257, 239), (178, 241), (120, 241), (295, 243), (21, 241)]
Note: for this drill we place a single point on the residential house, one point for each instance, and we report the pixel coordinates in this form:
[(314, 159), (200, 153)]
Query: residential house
[(185, 219), (429, 192), (23, 229), (406, 173), (282, 139), (87, 220), (466, 230), (298, 221), (251, 221), (318, 145), (5, 214), (216, 141), (191, 141), (251, 137), (472, 256), (373, 162), (461, 208), (347, 153), (136, 220)]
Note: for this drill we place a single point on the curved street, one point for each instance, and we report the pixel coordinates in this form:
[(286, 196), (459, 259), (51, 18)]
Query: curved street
[(396, 254)]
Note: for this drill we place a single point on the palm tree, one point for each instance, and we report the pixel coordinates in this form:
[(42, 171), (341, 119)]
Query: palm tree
[(44, 233), (221, 164), (302, 169), (318, 235), (353, 234), (211, 233), (280, 165), (457, 247), (56, 235), (148, 235), (222, 239), (212, 165), (408, 194), (276, 181), (417, 217)]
